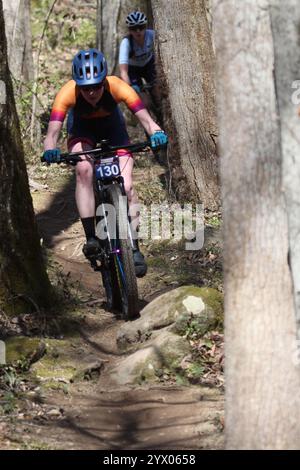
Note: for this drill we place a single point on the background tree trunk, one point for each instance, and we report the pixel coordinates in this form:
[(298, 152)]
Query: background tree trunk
[(285, 27), (262, 376), (111, 27), (18, 34), (108, 12), (22, 271), (188, 68)]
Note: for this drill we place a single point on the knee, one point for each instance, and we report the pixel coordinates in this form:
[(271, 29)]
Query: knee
[(84, 172)]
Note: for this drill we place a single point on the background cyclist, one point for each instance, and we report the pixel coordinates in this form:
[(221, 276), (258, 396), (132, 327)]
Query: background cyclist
[(136, 56)]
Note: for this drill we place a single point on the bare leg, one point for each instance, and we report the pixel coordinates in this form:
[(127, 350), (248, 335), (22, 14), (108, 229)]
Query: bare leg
[(84, 193), (85, 199)]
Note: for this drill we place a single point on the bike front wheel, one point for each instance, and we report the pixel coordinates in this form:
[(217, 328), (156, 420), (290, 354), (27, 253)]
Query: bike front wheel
[(123, 269)]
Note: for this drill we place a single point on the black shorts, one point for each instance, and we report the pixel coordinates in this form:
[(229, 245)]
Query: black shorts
[(92, 131), (147, 72)]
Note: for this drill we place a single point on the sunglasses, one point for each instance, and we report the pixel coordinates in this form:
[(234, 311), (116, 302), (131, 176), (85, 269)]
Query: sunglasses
[(96, 87), (137, 28)]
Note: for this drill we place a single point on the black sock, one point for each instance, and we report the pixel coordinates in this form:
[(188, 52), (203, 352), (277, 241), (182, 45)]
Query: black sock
[(89, 227), (135, 239)]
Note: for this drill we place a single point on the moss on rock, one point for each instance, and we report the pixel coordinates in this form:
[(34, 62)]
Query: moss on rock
[(174, 309), (22, 348), (203, 311), (58, 363), (165, 352)]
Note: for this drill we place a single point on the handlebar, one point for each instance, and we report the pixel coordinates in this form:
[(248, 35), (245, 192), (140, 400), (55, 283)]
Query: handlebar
[(104, 150)]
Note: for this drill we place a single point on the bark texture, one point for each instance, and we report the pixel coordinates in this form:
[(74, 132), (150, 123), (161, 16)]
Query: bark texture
[(285, 20), (262, 370), (18, 34), (188, 75)]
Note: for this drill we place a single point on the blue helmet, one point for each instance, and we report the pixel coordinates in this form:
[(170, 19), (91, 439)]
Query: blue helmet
[(89, 67)]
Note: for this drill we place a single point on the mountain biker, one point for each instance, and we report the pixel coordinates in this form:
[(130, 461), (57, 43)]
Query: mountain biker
[(91, 100), (136, 56)]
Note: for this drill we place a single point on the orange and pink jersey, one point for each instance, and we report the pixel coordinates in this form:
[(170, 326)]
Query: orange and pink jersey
[(115, 91)]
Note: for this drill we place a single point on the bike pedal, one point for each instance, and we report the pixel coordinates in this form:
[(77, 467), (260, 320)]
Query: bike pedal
[(93, 261), (96, 268)]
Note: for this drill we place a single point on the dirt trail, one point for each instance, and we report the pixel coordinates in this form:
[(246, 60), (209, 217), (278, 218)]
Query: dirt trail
[(97, 414), (140, 418)]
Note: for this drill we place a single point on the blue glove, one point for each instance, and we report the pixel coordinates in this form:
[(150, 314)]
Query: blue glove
[(136, 88), (158, 139), (52, 156)]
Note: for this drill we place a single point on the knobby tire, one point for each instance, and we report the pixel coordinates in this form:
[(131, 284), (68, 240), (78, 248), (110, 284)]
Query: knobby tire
[(123, 270)]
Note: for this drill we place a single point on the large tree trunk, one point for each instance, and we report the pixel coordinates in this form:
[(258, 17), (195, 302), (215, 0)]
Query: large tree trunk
[(111, 27), (188, 65), (285, 26), (23, 278), (262, 376), (18, 34)]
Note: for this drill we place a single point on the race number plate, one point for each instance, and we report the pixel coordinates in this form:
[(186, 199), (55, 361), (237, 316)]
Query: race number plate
[(107, 170)]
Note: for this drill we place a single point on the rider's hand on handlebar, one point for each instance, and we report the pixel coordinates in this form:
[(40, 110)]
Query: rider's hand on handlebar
[(158, 139), (136, 88), (52, 156)]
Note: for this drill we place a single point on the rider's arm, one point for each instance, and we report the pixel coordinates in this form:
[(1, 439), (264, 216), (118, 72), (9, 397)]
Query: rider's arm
[(51, 139), (147, 122), (124, 60), (65, 99), (122, 92), (124, 73)]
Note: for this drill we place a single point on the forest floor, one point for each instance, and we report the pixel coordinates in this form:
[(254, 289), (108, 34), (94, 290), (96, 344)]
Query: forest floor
[(92, 412)]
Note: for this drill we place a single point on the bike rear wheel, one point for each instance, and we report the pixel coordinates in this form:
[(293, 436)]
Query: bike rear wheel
[(122, 269)]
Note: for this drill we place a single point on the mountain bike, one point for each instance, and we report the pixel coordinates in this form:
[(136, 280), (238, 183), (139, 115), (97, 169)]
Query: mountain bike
[(115, 257)]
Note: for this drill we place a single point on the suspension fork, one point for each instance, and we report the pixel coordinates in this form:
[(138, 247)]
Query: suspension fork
[(132, 241)]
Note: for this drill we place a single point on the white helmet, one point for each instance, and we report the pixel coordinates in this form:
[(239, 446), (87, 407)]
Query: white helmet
[(136, 18)]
